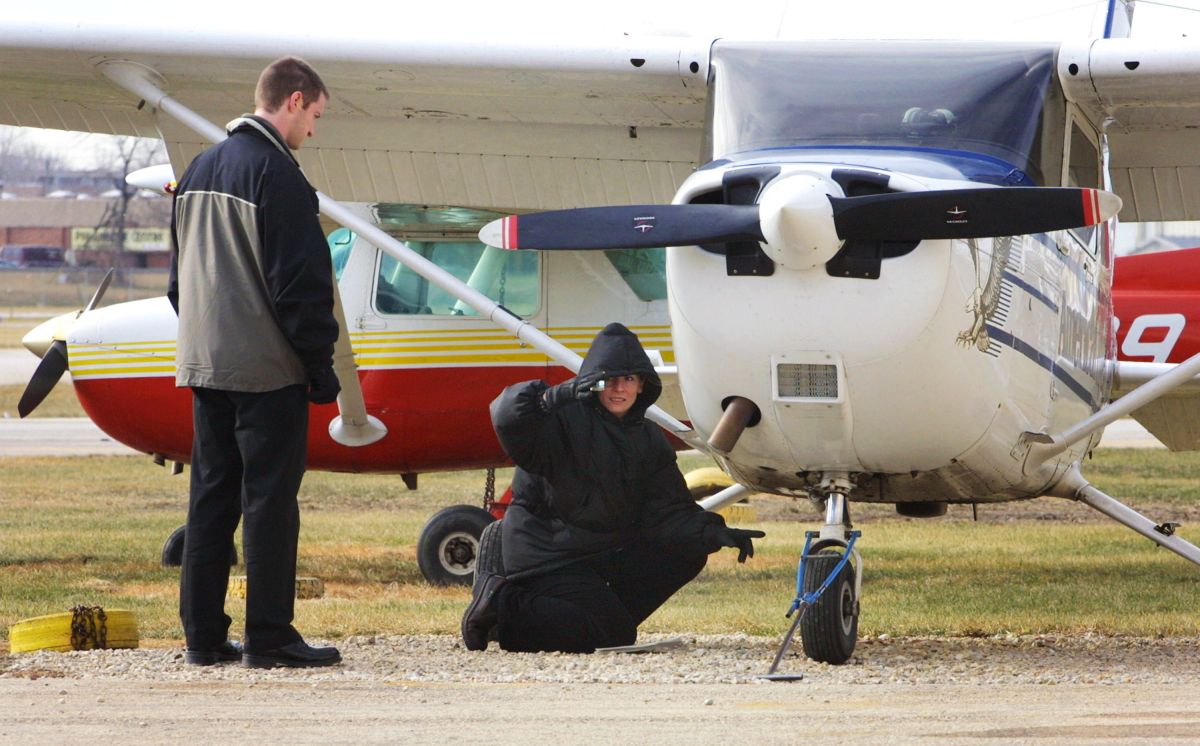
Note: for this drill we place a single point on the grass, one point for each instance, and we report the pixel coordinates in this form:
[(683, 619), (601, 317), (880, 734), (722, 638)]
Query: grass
[(60, 403), (90, 530), (71, 287), (17, 321)]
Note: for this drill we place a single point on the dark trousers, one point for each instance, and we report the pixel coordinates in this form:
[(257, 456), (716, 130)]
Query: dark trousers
[(248, 456), (594, 603)]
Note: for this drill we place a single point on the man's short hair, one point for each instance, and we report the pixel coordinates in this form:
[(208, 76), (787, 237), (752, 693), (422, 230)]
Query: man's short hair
[(284, 76)]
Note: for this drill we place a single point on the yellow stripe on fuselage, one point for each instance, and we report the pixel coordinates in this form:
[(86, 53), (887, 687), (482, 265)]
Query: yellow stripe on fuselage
[(372, 350)]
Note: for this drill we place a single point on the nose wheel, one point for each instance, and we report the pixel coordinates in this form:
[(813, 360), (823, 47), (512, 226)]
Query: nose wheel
[(828, 585), (829, 628)]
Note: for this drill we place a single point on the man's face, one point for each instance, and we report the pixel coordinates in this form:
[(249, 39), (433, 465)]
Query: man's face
[(620, 392), (302, 119)]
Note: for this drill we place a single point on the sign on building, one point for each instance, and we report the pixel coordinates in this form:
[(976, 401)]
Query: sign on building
[(136, 239)]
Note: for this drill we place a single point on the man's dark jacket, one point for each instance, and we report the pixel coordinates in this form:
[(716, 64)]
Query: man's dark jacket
[(251, 276), (587, 481)]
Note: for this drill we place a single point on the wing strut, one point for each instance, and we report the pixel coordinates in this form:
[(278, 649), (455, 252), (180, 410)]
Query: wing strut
[(1043, 447), (147, 84), (1074, 486)]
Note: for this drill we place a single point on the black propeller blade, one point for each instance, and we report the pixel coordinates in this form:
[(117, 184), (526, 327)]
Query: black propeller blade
[(53, 365), (624, 227), (54, 362), (897, 216), (969, 213)]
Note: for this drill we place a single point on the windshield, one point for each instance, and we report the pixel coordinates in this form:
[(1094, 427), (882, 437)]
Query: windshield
[(994, 100)]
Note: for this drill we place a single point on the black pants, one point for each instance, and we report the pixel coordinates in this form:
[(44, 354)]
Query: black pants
[(248, 455), (594, 603)]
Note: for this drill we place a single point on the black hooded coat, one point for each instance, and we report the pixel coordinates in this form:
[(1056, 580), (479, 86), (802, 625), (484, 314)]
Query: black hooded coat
[(587, 481)]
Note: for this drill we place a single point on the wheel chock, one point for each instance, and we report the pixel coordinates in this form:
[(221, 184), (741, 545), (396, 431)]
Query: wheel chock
[(306, 587), (82, 628)]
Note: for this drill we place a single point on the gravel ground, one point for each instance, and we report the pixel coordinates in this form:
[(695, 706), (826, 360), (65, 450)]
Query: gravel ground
[(1044, 689), (704, 659)]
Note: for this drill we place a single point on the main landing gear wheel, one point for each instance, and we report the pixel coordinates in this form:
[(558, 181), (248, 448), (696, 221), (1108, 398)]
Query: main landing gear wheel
[(172, 551), (829, 629), (449, 544)]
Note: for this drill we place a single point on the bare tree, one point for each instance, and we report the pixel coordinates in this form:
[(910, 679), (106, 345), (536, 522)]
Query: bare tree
[(24, 161), (128, 155)]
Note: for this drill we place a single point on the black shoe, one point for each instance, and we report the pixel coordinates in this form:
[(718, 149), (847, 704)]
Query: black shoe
[(227, 652), (489, 559), (480, 616), (298, 654)]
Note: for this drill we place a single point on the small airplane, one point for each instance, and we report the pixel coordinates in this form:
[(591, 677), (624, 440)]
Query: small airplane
[(887, 278)]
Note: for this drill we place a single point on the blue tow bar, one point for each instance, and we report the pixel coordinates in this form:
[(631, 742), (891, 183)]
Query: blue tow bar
[(803, 601)]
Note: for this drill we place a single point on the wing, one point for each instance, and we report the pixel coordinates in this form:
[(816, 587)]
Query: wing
[(1175, 418), (487, 122), (1146, 94)]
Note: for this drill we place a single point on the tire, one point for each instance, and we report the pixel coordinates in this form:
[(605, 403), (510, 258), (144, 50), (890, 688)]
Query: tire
[(829, 629), (172, 551), (449, 544)]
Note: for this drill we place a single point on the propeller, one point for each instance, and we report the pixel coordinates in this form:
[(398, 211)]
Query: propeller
[(802, 225), (54, 358)]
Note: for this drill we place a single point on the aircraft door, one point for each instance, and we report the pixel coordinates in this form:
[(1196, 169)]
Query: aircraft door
[(430, 364)]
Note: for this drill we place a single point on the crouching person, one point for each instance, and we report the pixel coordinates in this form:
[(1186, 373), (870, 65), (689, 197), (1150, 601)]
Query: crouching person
[(602, 529)]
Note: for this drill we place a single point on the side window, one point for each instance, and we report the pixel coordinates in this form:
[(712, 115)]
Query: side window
[(340, 243), (1083, 170), (511, 278), (644, 271)]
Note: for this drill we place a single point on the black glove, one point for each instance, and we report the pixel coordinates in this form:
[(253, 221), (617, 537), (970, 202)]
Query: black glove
[(323, 386), (579, 388), (738, 538)]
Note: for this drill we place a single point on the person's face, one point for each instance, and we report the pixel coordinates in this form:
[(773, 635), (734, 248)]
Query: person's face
[(302, 118), (620, 392)]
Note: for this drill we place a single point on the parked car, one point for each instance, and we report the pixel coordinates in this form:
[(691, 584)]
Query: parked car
[(34, 256)]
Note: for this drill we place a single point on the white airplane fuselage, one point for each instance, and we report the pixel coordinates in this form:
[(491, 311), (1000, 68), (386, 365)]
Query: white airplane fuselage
[(919, 384)]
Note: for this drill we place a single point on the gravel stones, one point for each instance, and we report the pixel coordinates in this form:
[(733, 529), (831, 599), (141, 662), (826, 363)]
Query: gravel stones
[(705, 659)]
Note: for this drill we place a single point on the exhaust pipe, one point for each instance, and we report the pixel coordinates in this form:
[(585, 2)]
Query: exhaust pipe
[(740, 413)]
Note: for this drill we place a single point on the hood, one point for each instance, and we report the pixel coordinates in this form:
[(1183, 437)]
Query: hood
[(617, 352), (251, 122)]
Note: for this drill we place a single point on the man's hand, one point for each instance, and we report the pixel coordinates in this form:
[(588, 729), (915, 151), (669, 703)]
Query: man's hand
[(579, 388), (323, 386), (739, 538)]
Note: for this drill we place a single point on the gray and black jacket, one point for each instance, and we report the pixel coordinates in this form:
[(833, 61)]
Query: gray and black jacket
[(586, 481), (251, 276)]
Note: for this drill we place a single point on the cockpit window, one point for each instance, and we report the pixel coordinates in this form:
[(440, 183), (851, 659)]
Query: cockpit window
[(986, 99), (340, 243), (644, 271), (511, 278)]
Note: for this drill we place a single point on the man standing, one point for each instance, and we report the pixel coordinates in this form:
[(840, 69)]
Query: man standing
[(602, 529), (252, 282)]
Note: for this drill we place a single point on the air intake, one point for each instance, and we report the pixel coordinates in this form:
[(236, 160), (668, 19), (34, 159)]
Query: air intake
[(805, 381)]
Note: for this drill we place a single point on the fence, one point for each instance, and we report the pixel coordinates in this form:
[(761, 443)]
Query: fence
[(72, 287)]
